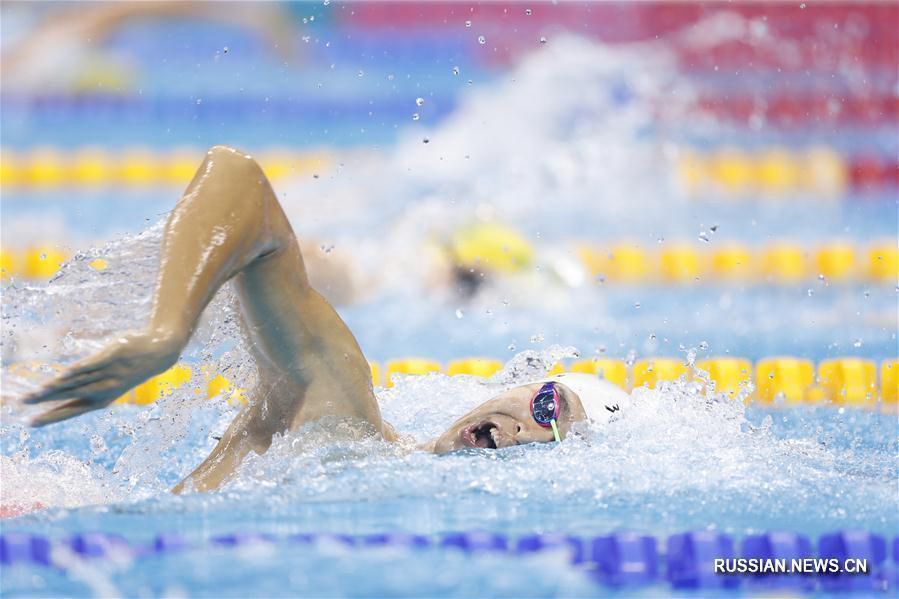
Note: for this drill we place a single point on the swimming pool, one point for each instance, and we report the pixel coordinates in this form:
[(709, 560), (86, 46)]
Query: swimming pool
[(599, 168)]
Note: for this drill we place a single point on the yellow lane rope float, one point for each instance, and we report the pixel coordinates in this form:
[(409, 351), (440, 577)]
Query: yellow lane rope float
[(774, 172), (44, 168), (776, 263), (780, 380)]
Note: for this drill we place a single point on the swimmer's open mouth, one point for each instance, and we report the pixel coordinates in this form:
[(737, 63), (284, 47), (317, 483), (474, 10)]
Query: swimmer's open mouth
[(480, 435)]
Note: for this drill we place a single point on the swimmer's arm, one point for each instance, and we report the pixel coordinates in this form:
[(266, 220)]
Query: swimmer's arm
[(219, 226), (229, 225)]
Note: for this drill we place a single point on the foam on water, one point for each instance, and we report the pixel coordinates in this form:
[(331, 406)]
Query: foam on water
[(523, 150), (682, 453)]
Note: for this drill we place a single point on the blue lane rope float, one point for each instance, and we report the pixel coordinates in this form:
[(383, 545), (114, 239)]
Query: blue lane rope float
[(685, 561)]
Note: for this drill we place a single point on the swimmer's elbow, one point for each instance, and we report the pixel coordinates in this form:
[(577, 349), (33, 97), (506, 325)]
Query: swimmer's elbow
[(233, 160)]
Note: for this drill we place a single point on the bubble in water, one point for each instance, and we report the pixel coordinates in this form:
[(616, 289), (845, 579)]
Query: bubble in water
[(419, 101), (98, 445), (482, 40)]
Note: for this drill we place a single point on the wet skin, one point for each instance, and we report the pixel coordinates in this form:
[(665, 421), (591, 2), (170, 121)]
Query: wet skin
[(229, 226), (506, 420)]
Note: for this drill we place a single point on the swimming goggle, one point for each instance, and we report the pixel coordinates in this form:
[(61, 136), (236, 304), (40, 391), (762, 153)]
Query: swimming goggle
[(545, 408)]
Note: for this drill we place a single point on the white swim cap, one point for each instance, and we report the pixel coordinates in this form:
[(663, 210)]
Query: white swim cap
[(599, 397)]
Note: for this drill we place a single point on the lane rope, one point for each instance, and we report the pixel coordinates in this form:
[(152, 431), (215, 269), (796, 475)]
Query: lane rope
[(685, 560)]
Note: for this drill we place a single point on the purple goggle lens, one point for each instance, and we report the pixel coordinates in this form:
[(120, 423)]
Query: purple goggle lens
[(545, 405)]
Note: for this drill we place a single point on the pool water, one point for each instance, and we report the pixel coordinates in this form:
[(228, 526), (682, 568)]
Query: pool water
[(593, 167)]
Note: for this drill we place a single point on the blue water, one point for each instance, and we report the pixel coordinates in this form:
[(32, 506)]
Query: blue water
[(592, 167)]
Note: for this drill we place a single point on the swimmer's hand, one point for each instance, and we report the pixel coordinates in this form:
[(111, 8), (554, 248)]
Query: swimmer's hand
[(95, 382)]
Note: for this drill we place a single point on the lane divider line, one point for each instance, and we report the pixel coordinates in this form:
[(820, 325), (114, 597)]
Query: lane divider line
[(685, 561), (776, 381)]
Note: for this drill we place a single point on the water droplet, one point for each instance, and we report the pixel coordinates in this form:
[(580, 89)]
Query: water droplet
[(199, 100), (225, 49), (460, 313), (511, 347), (810, 292), (425, 140), (468, 23), (361, 73), (528, 12), (714, 228), (630, 358), (419, 101), (482, 40), (415, 116), (327, 2), (703, 345), (456, 70), (802, 5), (537, 338), (857, 343), (703, 236), (542, 40), (637, 305)]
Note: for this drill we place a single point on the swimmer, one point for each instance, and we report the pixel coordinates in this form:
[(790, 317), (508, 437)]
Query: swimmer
[(229, 226)]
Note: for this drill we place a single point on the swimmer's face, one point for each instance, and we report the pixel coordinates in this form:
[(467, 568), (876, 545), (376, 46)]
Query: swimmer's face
[(506, 420)]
